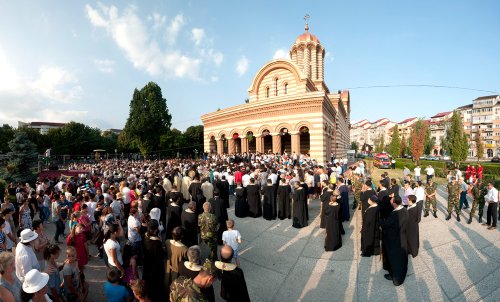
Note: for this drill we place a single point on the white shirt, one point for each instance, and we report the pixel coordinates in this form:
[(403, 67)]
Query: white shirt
[(429, 170), (116, 207), (133, 225), (245, 180), (91, 206), (110, 245), (231, 238), (492, 195), (273, 177), (7, 230), (25, 260), (126, 195), (417, 171), (420, 193)]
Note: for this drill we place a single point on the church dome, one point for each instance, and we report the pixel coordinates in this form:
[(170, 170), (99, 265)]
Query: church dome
[(306, 37)]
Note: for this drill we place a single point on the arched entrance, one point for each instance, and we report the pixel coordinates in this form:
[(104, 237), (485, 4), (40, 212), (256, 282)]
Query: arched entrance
[(237, 143), (286, 141), (224, 144), (252, 145), (305, 140), (267, 141), (213, 145)]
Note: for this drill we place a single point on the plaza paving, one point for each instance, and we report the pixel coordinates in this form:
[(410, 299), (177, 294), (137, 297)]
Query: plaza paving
[(456, 262)]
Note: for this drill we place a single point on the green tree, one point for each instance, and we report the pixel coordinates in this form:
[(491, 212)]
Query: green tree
[(6, 135), (455, 141), (22, 159), (355, 146), (40, 140), (479, 145), (172, 142), (75, 139), (379, 143), (193, 137), (429, 141), (395, 145), (148, 119)]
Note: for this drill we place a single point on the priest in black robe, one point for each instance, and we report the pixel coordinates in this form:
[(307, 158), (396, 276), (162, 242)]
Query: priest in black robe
[(189, 222), (344, 200), (412, 229), (370, 232), (233, 287), (283, 200), (306, 192), (366, 192), (395, 243), (224, 190), (240, 204), (325, 200), (299, 206), (174, 211), (220, 211), (195, 187), (253, 198), (333, 240), (269, 202)]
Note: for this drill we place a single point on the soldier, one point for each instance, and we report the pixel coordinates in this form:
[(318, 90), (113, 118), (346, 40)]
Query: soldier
[(189, 290), (453, 198), (430, 198), (478, 192), (209, 225), (356, 188)]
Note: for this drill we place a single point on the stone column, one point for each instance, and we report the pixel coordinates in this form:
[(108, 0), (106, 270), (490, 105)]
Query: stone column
[(276, 142), (259, 146), (220, 146), (295, 135), (230, 146), (244, 145)]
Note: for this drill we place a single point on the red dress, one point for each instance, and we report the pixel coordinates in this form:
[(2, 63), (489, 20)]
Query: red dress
[(79, 244), (480, 172)]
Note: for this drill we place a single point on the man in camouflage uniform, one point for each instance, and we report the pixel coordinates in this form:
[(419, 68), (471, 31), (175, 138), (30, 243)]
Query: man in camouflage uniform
[(209, 225), (189, 290), (454, 189), (430, 198), (478, 192), (356, 188)]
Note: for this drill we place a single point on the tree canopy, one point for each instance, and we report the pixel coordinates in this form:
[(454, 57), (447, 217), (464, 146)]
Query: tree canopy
[(22, 159), (148, 119), (417, 138), (395, 145), (456, 142)]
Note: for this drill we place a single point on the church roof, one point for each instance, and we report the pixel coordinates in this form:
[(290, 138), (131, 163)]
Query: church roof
[(306, 37)]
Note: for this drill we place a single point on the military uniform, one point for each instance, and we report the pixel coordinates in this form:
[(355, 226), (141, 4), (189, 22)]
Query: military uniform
[(478, 192), (184, 290), (429, 190), (358, 186), (453, 199), (209, 225)]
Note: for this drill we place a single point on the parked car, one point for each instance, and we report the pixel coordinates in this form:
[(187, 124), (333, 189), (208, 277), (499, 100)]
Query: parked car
[(382, 161), (495, 159)]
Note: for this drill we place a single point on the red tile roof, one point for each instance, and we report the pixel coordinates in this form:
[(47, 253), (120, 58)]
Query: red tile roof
[(407, 120), (441, 114)]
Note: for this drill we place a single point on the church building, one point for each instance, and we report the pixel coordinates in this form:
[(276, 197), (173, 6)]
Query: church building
[(290, 109)]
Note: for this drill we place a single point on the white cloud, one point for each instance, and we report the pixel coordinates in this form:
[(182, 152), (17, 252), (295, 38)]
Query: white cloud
[(197, 35), (214, 78), (158, 20), (216, 56), (57, 84), (281, 54), (328, 56), (94, 17), (173, 29), (242, 66), (105, 66)]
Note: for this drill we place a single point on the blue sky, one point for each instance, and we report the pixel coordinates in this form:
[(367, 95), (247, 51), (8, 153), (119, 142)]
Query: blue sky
[(77, 60)]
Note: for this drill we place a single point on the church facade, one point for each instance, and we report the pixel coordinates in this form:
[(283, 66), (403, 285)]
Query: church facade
[(290, 109)]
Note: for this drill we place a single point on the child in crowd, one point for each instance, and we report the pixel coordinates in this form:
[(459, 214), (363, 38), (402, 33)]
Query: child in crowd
[(232, 238), (74, 288), (78, 240), (54, 211), (51, 254), (139, 290), (114, 291)]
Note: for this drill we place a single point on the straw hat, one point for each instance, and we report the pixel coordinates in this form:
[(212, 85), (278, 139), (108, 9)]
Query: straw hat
[(28, 236), (34, 281)]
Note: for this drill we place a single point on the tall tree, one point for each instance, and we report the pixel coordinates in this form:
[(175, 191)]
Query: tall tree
[(22, 159), (429, 141), (379, 143), (75, 139), (417, 138), (456, 142), (395, 145), (6, 135), (355, 146), (193, 136), (479, 145), (148, 119)]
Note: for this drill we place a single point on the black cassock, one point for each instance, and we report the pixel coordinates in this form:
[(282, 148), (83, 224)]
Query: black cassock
[(299, 206), (420, 207), (233, 286), (240, 205), (195, 189), (269, 204), (189, 223), (325, 200), (394, 244), (223, 186), (412, 231), (173, 218), (220, 211), (364, 199), (385, 207), (370, 232), (253, 197), (284, 201), (306, 194), (344, 203), (333, 240)]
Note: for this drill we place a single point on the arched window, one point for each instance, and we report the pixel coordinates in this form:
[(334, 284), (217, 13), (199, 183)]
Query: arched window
[(286, 88), (267, 92), (276, 86)]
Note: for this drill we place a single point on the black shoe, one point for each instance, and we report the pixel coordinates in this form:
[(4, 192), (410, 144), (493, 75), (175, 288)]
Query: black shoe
[(449, 217), (470, 221), (435, 215), (458, 218), (426, 214), (388, 277)]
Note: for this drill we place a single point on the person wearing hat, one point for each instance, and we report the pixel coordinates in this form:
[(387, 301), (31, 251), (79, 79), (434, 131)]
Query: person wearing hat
[(25, 255), (35, 287)]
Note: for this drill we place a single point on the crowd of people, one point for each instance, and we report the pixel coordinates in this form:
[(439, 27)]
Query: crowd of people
[(163, 230)]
